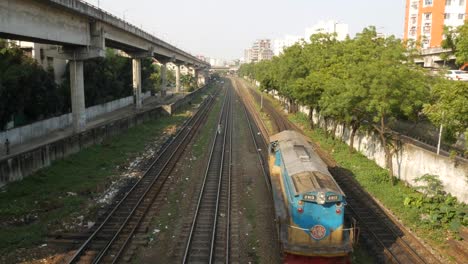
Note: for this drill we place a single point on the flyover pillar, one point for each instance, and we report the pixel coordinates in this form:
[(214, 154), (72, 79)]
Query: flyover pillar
[(163, 79), (77, 95), (177, 76), (136, 66), (195, 76)]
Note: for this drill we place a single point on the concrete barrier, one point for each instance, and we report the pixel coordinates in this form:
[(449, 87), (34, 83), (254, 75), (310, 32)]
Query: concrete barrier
[(25, 133), (17, 167), (409, 160)]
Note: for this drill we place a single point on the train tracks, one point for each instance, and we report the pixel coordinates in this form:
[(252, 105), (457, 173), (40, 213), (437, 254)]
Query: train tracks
[(113, 235), (385, 236), (209, 235)]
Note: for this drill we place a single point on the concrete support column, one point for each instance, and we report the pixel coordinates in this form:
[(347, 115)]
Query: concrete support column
[(163, 80), (195, 75), (136, 66), (77, 95), (177, 78)]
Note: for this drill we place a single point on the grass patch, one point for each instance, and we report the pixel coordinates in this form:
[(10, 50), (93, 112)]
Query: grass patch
[(54, 195)]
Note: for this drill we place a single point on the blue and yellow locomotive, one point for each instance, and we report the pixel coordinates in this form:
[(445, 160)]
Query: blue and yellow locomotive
[(309, 204)]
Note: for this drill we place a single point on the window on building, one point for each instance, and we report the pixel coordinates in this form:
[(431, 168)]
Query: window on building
[(461, 2), (461, 16), (448, 2), (427, 2), (447, 16), (427, 16)]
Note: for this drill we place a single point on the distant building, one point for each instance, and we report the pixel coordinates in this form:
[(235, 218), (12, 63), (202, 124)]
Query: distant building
[(330, 27), (425, 19), (261, 50), (217, 62), (280, 44), (203, 58), (38, 52)]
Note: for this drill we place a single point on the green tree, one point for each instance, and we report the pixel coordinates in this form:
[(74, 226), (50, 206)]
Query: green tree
[(188, 82), (449, 105), (397, 89), (457, 40), (27, 92)]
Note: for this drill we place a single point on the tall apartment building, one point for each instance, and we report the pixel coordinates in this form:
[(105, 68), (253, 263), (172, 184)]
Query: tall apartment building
[(261, 50), (425, 19)]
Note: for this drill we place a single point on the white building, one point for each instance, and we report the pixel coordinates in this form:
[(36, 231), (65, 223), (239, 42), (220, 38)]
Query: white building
[(280, 44), (38, 52), (261, 50), (330, 27)]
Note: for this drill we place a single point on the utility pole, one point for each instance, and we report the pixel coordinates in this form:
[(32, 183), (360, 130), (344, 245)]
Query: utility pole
[(440, 134)]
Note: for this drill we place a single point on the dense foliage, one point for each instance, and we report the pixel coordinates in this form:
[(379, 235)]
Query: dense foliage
[(29, 93), (110, 78), (188, 82), (366, 81), (456, 39)]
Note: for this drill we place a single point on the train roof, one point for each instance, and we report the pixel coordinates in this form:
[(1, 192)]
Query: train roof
[(306, 169)]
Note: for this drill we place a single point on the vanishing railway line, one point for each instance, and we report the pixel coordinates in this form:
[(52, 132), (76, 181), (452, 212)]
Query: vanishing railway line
[(111, 238), (209, 235), (386, 237)]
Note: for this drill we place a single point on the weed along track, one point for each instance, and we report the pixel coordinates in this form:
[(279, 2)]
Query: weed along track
[(378, 230), (390, 242), (111, 240)]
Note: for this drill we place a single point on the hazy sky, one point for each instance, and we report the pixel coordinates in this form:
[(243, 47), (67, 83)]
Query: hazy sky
[(223, 29)]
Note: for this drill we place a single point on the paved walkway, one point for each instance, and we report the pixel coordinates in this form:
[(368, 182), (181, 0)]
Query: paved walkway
[(148, 103)]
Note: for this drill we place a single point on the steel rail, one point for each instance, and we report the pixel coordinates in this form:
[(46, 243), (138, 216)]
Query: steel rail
[(140, 218), (227, 129), (202, 191), (228, 215), (195, 118)]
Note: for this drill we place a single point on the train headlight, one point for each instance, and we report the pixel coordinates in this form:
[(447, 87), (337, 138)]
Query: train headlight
[(321, 198)]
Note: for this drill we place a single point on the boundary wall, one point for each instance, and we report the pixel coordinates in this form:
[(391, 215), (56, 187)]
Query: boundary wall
[(37, 129), (17, 167), (410, 160)]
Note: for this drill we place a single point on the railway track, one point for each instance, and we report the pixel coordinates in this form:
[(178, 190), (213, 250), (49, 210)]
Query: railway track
[(385, 236), (209, 235), (111, 238)]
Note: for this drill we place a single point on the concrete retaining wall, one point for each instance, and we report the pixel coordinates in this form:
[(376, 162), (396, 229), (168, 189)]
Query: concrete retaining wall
[(410, 161), (23, 134), (24, 164)]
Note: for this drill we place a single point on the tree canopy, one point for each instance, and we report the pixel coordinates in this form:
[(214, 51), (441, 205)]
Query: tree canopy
[(456, 39), (29, 93), (367, 80)]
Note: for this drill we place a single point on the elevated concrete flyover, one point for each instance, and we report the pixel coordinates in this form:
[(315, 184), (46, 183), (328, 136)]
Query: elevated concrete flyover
[(82, 31)]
